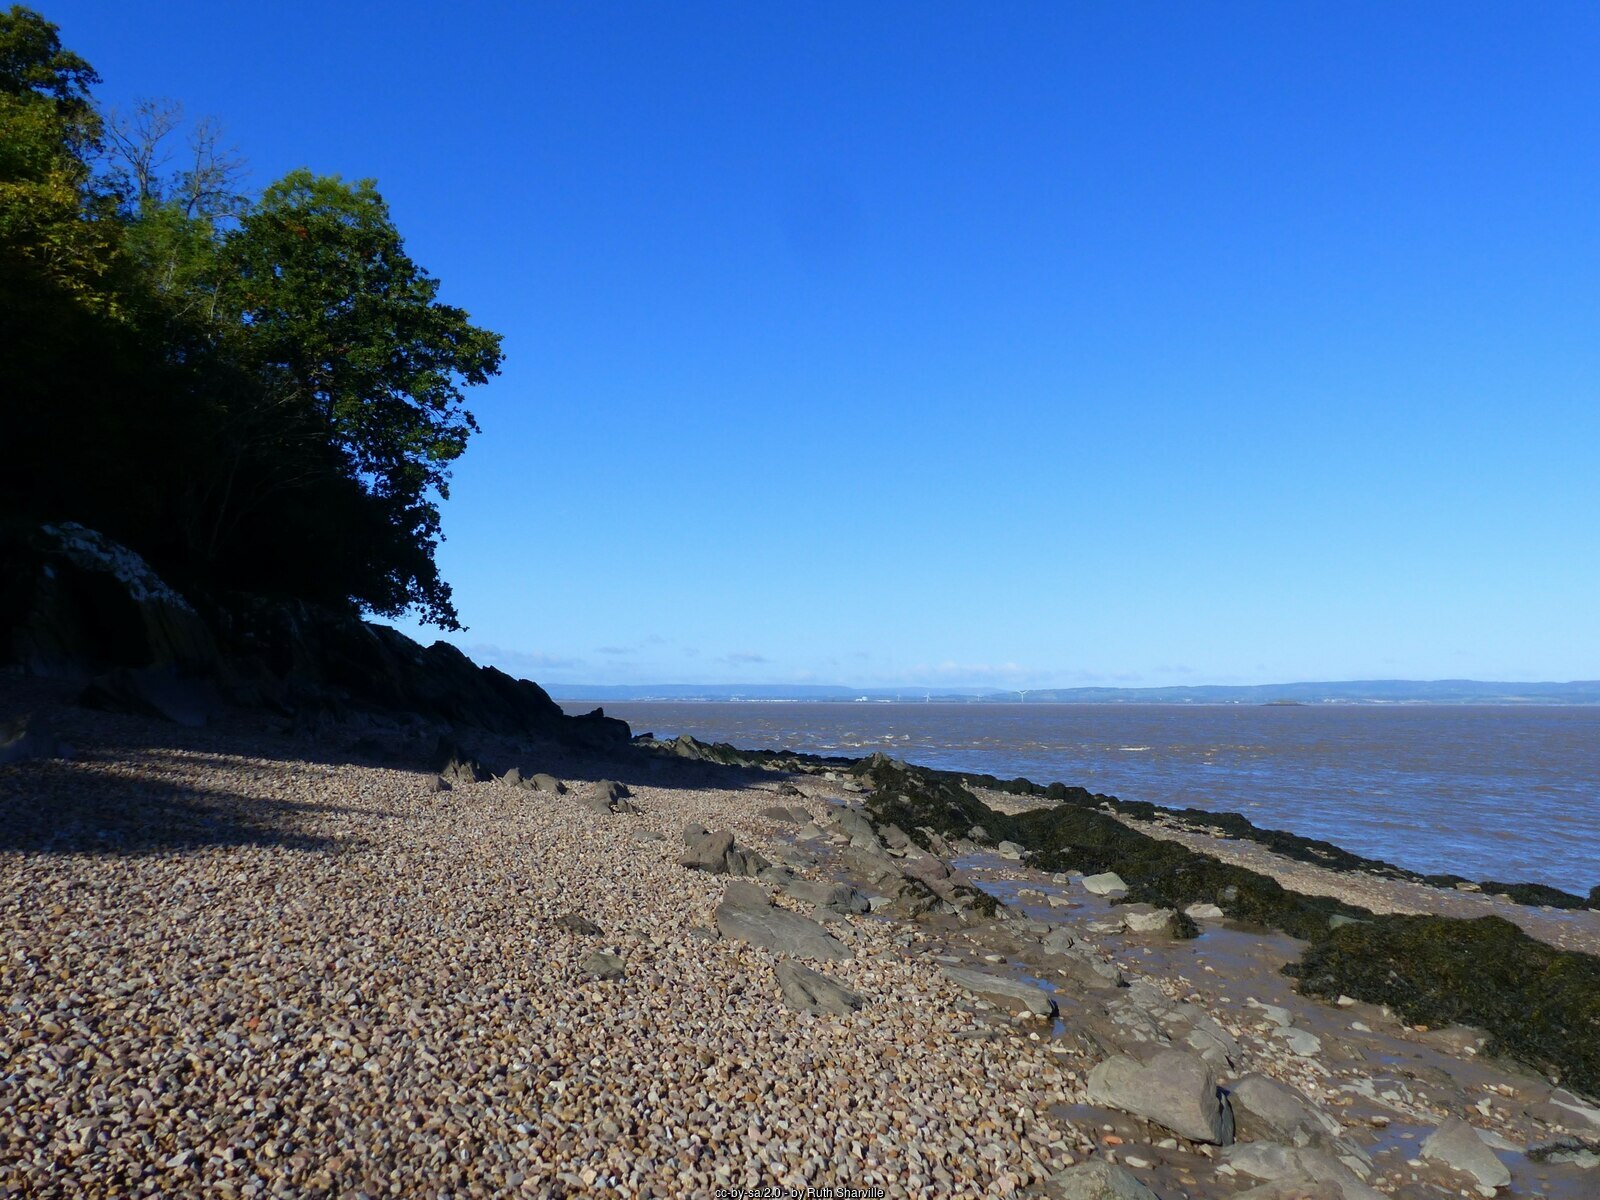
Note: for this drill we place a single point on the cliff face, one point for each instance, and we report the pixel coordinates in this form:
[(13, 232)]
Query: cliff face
[(74, 604)]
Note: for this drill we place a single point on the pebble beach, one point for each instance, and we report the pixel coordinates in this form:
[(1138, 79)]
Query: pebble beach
[(240, 965)]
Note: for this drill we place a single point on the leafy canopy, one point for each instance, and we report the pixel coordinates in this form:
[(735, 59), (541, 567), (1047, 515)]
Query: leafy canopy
[(262, 395)]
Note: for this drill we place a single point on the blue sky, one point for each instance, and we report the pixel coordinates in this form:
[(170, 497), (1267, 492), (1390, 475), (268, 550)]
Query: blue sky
[(1022, 344)]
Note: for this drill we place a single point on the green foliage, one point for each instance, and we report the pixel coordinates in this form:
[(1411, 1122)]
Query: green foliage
[(49, 239), (350, 334), (1540, 1004), (260, 396)]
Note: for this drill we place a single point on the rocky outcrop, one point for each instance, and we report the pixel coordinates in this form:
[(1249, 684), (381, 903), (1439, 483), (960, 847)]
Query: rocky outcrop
[(1174, 1089), (74, 604), (29, 738), (717, 854), (1100, 1180), (1030, 996), (746, 914), (1297, 1166), (812, 991), (1265, 1109)]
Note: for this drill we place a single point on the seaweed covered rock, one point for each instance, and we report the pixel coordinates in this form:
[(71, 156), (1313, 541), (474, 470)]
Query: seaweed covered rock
[(921, 801), (1539, 1004), (1534, 894)]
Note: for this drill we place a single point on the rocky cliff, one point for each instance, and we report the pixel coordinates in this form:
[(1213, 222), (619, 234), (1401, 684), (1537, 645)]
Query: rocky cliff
[(74, 604)]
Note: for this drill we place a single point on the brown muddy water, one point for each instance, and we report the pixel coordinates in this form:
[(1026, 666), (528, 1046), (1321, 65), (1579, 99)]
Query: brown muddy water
[(1511, 794)]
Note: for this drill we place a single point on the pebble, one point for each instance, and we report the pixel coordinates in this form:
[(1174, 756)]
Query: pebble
[(322, 978)]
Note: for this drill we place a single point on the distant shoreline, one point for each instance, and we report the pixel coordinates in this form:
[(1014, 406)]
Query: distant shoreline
[(561, 696), (1356, 691)]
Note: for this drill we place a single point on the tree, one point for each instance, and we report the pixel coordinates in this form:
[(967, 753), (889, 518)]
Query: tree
[(48, 132), (348, 334)]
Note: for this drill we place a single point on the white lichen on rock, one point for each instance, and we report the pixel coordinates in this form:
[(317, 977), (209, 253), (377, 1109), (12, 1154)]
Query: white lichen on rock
[(93, 551)]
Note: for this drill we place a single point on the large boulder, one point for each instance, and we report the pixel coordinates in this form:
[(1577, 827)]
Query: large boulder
[(1174, 1089), (1266, 1109), (74, 604), (716, 854)]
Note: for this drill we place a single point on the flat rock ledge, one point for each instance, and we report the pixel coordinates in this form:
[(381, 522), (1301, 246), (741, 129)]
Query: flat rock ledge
[(1175, 1089), (1030, 995), (1100, 1180), (746, 914), (812, 991), (1458, 1146)]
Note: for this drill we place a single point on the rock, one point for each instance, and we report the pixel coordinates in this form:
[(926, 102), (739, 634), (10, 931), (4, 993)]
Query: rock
[(706, 851), (1032, 997), (896, 838), (78, 603), (978, 833), (1010, 850), (1213, 1043), (1299, 1188), (577, 923), (602, 964), (1458, 1146), (925, 867), (607, 796), (459, 770), (1297, 1167), (1204, 912), (547, 783), (1299, 1041), (512, 778), (742, 917), (1265, 1109), (1158, 921), (1100, 1180), (1058, 940), (1175, 1089), (438, 784), (1108, 883), (27, 738), (812, 991), (836, 897), (717, 854), (153, 692), (779, 813)]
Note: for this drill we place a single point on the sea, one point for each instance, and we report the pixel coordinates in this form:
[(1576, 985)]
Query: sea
[(1503, 793)]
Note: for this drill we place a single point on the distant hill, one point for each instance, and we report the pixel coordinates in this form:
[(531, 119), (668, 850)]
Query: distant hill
[(1365, 691)]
